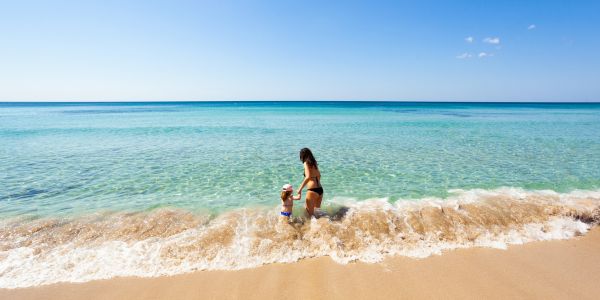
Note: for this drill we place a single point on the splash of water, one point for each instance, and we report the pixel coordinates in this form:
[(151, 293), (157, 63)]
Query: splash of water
[(167, 241)]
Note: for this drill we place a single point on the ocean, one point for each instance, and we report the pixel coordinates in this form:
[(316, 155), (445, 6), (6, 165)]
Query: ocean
[(99, 190)]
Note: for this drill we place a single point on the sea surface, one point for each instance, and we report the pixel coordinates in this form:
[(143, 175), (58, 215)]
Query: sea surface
[(98, 190)]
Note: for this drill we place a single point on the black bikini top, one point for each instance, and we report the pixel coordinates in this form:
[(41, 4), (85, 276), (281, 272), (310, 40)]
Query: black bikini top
[(315, 177)]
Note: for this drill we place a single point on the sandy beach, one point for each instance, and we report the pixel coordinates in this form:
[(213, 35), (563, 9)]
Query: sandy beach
[(299, 150), (538, 270)]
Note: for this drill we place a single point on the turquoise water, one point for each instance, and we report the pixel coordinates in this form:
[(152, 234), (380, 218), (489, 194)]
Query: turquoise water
[(69, 159), (101, 190)]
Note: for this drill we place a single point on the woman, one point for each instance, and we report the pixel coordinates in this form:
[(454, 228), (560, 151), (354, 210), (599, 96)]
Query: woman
[(312, 180)]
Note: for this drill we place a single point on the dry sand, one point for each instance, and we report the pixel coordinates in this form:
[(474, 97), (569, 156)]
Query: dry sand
[(541, 270)]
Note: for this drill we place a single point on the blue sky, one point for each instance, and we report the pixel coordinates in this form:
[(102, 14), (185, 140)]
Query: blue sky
[(300, 50)]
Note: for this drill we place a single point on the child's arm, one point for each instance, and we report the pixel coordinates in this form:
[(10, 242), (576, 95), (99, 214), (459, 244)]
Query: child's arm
[(296, 197)]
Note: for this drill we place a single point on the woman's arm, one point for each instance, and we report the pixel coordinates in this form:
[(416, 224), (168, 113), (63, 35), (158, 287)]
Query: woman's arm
[(306, 178)]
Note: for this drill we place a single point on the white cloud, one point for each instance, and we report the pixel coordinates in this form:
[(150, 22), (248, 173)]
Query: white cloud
[(469, 39), (531, 27), (494, 40), (484, 54), (464, 56)]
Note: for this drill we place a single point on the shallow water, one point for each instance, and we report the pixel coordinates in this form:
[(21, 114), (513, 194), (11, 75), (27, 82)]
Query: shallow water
[(166, 188), (69, 159)]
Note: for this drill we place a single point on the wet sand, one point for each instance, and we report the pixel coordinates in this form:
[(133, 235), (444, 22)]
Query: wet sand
[(539, 270)]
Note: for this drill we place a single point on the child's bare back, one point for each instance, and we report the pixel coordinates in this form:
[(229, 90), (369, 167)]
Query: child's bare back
[(287, 200)]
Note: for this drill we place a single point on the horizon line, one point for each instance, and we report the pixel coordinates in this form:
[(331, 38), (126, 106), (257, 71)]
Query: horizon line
[(295, 101)]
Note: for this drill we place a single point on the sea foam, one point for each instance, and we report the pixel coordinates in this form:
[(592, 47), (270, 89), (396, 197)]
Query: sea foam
[(170, 241)]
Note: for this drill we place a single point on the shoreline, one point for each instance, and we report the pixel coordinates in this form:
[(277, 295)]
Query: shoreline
[(546, 269)]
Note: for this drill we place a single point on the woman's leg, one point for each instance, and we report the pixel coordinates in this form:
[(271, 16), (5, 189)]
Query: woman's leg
[(311, 199), (318, 202)]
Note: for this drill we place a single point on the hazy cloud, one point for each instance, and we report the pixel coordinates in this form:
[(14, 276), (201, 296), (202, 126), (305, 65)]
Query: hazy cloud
[(469, 39), (484, 54), (493, 41), (531, 27), (464, 56)]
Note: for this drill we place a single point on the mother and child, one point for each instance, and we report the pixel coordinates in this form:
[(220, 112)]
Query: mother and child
[(312, 181)]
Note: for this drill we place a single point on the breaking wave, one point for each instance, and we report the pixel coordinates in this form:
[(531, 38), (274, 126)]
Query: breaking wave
[(170, 241)]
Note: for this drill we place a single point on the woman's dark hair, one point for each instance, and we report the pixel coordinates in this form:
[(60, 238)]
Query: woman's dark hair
[(307, 157)]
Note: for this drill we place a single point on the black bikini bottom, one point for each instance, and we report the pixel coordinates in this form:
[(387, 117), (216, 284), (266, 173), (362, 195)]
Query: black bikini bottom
[(318, 190)]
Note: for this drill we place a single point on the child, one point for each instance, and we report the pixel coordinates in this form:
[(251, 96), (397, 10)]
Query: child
[(287, 200)]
